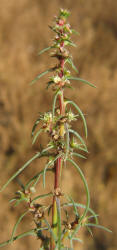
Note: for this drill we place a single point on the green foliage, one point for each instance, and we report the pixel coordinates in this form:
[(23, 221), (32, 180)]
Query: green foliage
[(63, 143)]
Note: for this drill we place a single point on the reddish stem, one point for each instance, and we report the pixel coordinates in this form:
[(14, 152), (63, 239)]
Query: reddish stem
[(57, 174)]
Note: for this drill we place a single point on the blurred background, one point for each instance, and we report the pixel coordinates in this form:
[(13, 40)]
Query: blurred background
[(23, 32)]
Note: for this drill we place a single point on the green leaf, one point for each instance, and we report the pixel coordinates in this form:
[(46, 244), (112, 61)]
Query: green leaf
[(37, 176), (30, 232), (81, 206), (89, 230), (70, 43), (78, 136), (41, 196), (44, 50), (81, 80), (38, 155), (35, 179), (69, 60), (98, 226), (79, 155), (36, 135), (40, 75), (86, 188), (16, 225), (75, 32), (74, 206), (20, 170), (71, 243), (34, 126), (83, 149), (77, 239), (81, 114)]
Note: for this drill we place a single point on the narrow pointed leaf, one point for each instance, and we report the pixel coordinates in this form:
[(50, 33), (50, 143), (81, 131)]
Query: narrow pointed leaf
[(83, 149), (78, 136), (69, 60), (35, 179), (41, 196), (34, 126), (36, 135), (74, 206), (80, 113), (20, 170), (30, 232), (86, 188), (81, 80), (77, 239), (82, 206), (79, 155), (37, 176), (98, 226), (71, 243), (16, 225), (75, 32), (89, 230), (40, 75), (44, 50)]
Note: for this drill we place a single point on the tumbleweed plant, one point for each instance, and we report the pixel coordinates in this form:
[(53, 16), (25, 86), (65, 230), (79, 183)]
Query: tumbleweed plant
[(54, 225)]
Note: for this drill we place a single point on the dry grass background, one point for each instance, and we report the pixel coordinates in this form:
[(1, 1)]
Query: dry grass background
[(24, 31)]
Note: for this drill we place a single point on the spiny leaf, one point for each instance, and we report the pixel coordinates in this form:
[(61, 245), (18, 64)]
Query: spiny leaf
[(81, 80), (30, 232), (44, 50), (71, 243), (78, 136), (77, 239), (75, 32), (81, 114), (38, 155), (82, 206), (83, 149), (69, 60), (40, 75), (98, 226), (70, 42), (16, 225), (79, 155), (74, 206), (86, 188), (41, 196), (35, 125), (20, 170), (36, 178), (36, 135), (89, 230)]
